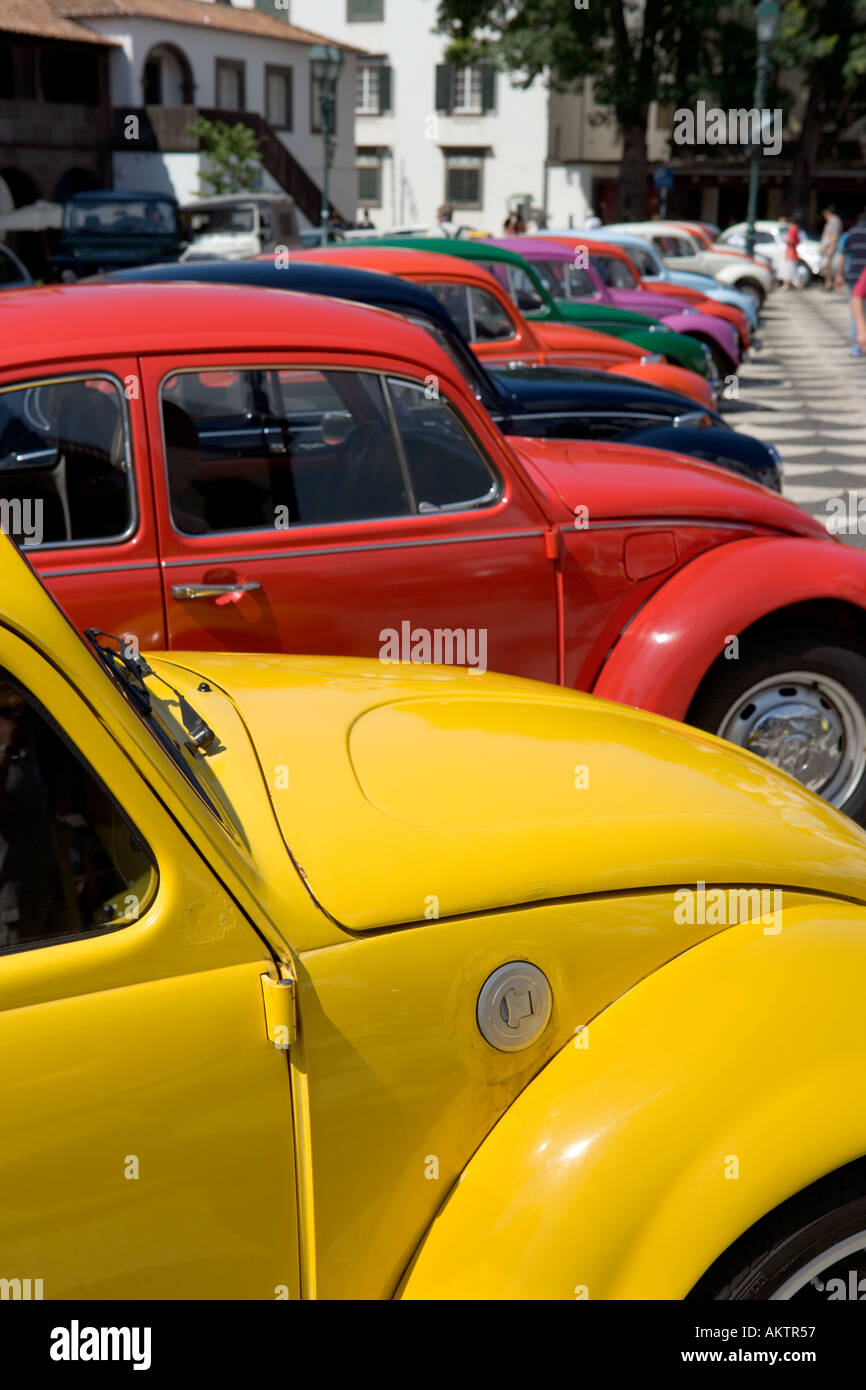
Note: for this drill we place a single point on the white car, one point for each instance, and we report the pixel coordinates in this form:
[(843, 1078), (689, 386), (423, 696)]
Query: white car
[(770, 245), (682, 250)]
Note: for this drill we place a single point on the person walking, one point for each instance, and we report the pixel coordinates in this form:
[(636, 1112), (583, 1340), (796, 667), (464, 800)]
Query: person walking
[(855, 264), (858, 313), (789, 264), (830, 244)]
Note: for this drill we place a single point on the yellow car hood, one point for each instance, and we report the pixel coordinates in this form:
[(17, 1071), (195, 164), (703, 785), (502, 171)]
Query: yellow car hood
[(408, 793)]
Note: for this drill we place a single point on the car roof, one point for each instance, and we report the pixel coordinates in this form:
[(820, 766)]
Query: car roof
[(113, 195), (302, 275), (534, 246), (401, 260), (81, 320), (473, 249)]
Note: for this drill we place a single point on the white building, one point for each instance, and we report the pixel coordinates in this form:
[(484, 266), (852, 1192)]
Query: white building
[(428, 135), (174, 58)]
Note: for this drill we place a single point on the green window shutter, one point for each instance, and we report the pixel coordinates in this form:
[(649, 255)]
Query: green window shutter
[(386, 84), (488, 88), (444, 87)]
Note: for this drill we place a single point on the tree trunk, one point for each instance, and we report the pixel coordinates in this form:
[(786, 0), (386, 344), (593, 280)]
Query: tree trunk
[(805, 156), (631, 201)]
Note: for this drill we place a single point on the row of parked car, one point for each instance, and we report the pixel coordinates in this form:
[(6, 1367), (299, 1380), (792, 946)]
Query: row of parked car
[(539, 961)]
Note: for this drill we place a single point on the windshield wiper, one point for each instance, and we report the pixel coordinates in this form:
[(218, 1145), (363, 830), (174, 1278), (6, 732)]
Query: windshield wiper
[(130, 672)]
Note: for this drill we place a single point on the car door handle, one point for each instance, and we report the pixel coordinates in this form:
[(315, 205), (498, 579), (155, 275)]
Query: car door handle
[(193, 591)]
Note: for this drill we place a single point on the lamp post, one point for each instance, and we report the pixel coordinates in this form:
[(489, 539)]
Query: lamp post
[(326, 60), (767, 22)]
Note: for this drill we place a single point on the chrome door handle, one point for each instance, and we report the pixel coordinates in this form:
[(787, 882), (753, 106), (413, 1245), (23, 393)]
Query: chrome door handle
[(212, 590)]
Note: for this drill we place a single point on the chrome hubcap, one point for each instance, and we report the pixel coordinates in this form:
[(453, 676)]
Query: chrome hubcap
[(806, 724)]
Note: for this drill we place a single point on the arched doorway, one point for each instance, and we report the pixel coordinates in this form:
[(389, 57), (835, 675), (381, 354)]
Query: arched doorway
[(167, 78)]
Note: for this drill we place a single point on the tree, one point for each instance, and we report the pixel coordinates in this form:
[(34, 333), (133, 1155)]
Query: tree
[(821, 51), (635, 51), (233, 163)]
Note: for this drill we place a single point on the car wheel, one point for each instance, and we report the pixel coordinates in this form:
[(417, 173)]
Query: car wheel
[(721, 361), (752, 289), (812, 1248), (803, 708)]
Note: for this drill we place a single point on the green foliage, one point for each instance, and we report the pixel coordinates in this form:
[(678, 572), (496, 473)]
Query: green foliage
[(233, 163)]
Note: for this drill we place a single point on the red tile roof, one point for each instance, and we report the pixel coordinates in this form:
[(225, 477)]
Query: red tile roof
[(197, 12), (43, 19)]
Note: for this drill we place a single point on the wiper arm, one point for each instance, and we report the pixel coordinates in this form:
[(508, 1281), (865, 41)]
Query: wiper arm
[(131, 671)]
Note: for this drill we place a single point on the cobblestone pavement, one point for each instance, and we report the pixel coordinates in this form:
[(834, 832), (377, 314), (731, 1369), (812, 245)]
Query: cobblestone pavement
[(804, 392)]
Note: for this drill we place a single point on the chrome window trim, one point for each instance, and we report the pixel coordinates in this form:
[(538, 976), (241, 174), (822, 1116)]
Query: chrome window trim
[(129, 460)]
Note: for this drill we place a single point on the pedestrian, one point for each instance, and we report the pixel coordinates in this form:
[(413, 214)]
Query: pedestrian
[(858, 313), (792, 239), (830, 244), (445, 224), (855, 264)]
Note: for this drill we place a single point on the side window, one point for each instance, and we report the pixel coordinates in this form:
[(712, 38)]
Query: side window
[(254, 450), (523, 291), (65, 470), (619, 277), (70, 863), (446, 466), (580, 285), (490, 321), (455, 301)]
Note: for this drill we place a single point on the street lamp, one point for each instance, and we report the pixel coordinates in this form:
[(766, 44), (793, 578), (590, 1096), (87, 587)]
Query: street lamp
[(767, 18), (326, 60)]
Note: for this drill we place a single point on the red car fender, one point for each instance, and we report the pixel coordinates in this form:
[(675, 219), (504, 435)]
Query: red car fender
[(665, 651)]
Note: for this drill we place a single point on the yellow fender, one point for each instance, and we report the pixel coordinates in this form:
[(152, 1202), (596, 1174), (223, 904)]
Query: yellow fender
[(718, 1087)]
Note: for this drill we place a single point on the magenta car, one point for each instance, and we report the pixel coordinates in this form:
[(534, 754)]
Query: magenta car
[(565, 279)]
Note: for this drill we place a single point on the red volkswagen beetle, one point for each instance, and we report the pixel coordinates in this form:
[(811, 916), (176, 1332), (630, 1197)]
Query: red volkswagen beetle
[(229, 468)]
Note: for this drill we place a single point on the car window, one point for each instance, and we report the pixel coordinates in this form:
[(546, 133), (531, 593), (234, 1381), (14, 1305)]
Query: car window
[(446, 466), (615, 273), (65, 467), (70, 862), (277, 448), (522, 290), (644, 261), (490, 322), (455, 300)]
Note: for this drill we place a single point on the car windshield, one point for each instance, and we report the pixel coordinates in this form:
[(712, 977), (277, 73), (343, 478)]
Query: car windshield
[(138, 216), (206, 221)]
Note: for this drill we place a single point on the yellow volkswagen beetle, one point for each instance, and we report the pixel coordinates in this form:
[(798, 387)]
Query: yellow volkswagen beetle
[(325, 978)]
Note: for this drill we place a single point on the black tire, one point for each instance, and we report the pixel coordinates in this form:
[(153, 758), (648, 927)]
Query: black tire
[(783, 1244), (725, 366), (753, 289), (727, 680)]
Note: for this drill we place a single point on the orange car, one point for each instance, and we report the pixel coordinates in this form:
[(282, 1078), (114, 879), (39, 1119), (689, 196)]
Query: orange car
[(496, 328)]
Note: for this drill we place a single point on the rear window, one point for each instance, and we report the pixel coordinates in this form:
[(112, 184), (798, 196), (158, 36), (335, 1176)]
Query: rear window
[(65, 462)]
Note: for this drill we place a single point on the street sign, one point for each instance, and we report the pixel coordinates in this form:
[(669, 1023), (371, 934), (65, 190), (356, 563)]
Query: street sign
[(663, 178)]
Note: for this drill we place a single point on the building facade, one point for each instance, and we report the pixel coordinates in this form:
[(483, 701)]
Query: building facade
[(101, 93)]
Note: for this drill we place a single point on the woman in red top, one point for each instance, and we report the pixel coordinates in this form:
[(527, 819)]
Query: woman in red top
[(858, 312), (789, 265)]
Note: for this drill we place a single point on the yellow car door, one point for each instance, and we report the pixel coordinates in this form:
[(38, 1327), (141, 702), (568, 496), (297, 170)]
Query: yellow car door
[(146, 1148)]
